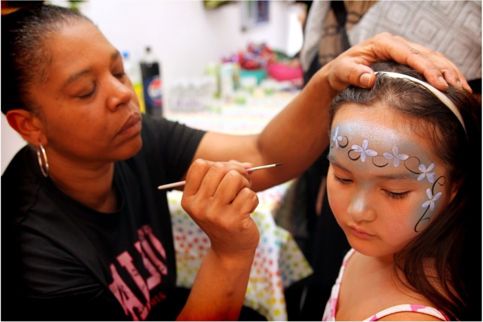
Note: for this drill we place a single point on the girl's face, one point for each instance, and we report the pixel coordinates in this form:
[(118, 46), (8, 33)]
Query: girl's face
[(385, 184), (85, 101)]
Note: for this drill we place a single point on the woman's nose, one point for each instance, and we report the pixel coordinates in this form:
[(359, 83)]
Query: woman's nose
[(120, 92), (360, 208)]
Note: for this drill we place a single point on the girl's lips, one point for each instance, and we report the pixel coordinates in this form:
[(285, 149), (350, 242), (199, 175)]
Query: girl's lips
[(360, 233)]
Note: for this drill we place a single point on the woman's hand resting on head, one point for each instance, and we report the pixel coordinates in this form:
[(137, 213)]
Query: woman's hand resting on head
[(352, 66)]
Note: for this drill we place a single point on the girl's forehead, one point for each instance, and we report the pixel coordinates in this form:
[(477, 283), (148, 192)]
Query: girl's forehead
[(382, 127), (378, 145), (379, 135)]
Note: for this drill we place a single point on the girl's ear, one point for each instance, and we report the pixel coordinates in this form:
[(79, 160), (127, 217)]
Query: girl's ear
[(27, 125)]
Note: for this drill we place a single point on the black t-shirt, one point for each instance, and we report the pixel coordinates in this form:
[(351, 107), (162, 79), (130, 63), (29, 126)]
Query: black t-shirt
[(64, 261)]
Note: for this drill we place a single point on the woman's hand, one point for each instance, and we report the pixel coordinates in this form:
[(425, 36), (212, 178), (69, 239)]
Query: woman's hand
[(218, 197), (352, 66)]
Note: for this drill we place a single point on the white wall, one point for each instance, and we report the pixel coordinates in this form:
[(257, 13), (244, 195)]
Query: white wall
[(11, 142), (183, 34)]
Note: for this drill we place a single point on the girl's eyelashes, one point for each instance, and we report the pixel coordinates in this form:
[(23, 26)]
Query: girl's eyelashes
[(342, 180), (396, 195), (389, 193)]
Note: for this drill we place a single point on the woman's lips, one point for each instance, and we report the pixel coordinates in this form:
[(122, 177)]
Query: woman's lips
[(132, 124)]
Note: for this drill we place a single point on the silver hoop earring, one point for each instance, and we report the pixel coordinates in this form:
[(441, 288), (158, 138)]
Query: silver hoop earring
[(42, 159)]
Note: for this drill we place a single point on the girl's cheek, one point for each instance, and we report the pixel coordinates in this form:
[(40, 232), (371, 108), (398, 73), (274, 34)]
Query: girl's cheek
[(336, 198)]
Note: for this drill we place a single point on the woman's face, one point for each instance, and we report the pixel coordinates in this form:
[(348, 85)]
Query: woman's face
[(86, 102), (385, 184)]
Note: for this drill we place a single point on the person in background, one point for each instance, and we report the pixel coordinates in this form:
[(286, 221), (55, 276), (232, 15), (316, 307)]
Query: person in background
[(86, 234), (404, 184), (450, 27)]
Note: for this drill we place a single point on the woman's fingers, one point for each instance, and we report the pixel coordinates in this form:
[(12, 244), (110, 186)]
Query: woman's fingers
[(352, 66), (195, 175), (230, 186), (213, 185), (449, 71), (246, 201), (437, 69), (218, 198), (212, 180), (204, 176)]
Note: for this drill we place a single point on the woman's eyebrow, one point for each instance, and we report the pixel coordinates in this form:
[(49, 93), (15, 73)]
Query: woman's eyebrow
[(115, 55), (72, 78)]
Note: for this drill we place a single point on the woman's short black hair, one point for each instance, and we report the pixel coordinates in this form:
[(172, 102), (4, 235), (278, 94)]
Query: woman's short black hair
[(24, 56)]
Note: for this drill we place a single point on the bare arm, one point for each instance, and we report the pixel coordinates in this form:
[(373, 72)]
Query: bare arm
[(299, 133), (218, 198)]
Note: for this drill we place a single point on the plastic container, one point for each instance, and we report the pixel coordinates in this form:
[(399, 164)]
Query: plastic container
[(133, 71), (152, 84)]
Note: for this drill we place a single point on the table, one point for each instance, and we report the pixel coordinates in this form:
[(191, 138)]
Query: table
[(278, 260)]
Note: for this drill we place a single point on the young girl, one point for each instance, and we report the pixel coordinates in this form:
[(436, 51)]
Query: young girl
[(404, 185)]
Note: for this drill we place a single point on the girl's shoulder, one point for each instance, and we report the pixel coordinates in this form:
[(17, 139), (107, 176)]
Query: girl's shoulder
[(370, 291)]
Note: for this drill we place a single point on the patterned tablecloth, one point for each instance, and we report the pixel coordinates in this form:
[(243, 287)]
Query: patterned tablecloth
[(278, 260)]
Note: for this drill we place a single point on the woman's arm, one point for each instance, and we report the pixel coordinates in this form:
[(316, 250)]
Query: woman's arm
[(218, 198), (299, 133)]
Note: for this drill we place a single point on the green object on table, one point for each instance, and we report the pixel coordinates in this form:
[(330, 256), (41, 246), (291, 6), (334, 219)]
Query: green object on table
[(258, 74), (240, 100)]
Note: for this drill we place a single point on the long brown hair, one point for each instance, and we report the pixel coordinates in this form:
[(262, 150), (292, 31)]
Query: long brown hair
[(453, 241)]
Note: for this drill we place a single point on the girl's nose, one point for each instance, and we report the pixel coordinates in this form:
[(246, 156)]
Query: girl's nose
[(360, 208)]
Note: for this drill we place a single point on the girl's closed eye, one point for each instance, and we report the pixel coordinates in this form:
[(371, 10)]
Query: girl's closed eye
[(342, 179), (396, 195)]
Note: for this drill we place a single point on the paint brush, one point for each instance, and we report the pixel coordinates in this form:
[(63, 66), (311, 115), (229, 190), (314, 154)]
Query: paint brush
[(250, 170)]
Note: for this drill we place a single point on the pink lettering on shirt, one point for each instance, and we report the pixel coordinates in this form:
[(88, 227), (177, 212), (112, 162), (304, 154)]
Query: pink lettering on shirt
[(126, 261), (151, 251), (129, 302), (145, 233), (155, 277)]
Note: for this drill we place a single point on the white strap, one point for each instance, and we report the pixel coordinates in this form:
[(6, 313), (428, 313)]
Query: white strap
[(422, 309)]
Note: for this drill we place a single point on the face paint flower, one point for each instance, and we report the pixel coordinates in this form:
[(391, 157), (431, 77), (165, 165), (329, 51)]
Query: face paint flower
[(426, 172), (363, 150), (336, 138), (431, 199), (395, 156)]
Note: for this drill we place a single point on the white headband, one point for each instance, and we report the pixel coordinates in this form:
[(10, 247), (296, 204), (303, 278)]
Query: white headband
[(440, 95)]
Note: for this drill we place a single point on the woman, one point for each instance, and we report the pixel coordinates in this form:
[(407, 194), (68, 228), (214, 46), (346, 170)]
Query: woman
[(87, 234)]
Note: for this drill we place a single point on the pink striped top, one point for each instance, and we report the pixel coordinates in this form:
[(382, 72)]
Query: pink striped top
[(331, 307)]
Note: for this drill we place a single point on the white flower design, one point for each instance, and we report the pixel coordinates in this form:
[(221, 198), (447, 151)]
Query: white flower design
[(431, 199), (395, 156), (336, 138), (426, 172), (363, 150)]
